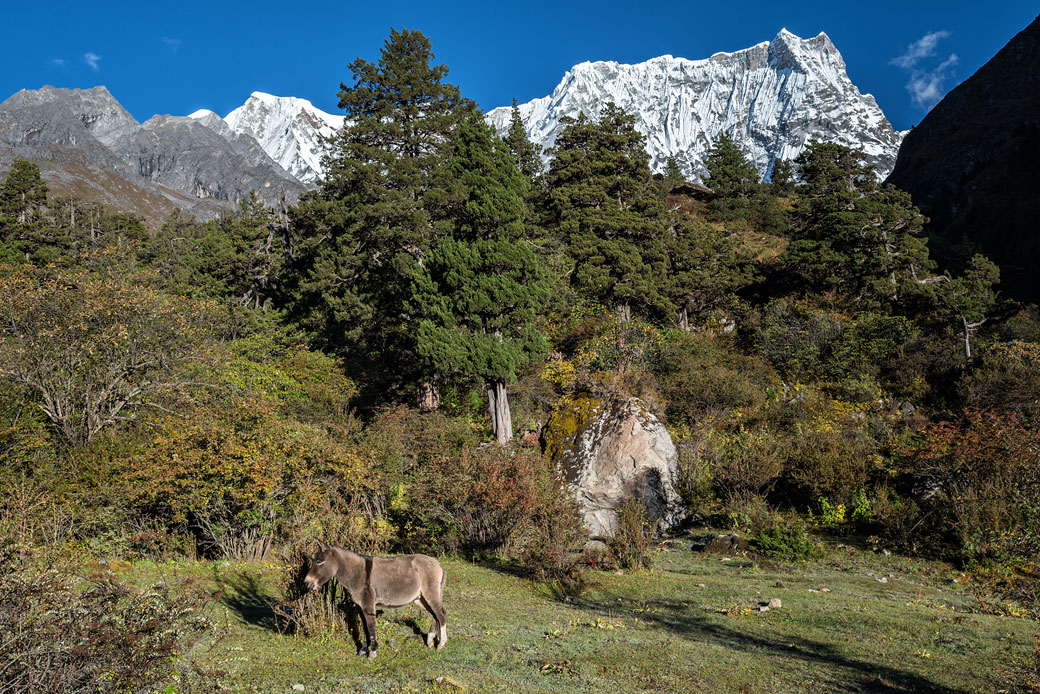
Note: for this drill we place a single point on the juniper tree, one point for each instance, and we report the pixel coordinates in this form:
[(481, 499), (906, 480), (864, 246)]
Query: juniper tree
[(481, 285), (853, 235), (672, 172), (601, 199), (782, 177), (361, 239)]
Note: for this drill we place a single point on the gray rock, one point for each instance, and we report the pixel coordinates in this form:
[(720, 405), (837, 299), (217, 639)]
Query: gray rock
[(774, 603), (730, 543), (618, 451), (594, 546)]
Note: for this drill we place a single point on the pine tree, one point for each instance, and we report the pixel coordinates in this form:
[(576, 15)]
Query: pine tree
[(672, 172), (704, 271), (24, 230), (782, 178), (602, 200), (733, 179), (526, 154), (361, 239), (482, 286), (970, 298), (853, 235)]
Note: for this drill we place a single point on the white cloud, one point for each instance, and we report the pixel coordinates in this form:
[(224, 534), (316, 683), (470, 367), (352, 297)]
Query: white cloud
[(171, 43), (92, 60), (927, 84), (58, 62), (924, 47)]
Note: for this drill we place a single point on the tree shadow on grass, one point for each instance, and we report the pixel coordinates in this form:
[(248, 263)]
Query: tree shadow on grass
[(243, 593), (860, 675)]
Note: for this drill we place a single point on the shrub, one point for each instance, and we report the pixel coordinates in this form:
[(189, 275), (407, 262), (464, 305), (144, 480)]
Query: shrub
[(633, 538), (785, 539), (483, 501), (109, 637), (979, 482)]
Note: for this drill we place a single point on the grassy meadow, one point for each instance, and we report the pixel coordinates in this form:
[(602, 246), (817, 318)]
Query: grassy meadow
[(691, 625)]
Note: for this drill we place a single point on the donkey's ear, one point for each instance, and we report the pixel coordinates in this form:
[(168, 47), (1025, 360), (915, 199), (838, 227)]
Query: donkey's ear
[(321, 545)]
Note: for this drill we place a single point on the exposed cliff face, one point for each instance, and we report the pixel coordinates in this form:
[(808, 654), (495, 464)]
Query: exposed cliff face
[(772, 99), (973, 164), (88, 145), (183, 154), (290, 130)]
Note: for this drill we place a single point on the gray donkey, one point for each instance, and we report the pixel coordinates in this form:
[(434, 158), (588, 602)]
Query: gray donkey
[(375, 582)]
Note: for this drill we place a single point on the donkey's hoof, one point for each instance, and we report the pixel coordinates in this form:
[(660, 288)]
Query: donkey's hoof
[(440, 645), (372, 655)]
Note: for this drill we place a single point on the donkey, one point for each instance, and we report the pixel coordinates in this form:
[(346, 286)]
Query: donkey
[(375, 582)]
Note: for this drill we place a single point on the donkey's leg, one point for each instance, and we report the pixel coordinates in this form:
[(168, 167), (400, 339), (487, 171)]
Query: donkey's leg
[(370, 632), (434, 604), (433, 621)]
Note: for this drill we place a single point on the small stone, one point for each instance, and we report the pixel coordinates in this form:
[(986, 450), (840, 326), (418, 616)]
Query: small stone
[(701, 585), (882, 580), (775, 603), (298, 687), (825, 590), (619, 572), (725, 559), (813, 590)]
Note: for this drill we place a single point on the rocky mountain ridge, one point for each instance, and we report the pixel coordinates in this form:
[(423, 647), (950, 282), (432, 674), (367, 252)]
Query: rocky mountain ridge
[(772, 99)]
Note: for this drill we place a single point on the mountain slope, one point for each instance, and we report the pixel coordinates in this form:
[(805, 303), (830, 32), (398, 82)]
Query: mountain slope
[(771, 99), (973, 163), (88, 145), (289, 129)]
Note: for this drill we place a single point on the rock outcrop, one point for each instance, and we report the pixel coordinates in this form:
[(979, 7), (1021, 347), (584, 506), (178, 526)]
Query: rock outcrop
[(612, 451)]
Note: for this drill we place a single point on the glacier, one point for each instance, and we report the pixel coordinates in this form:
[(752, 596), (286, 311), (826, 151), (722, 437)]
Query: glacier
[(772, 99), (291, 130)]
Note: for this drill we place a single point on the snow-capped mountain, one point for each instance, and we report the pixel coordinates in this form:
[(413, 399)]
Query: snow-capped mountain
[(288, 128), (772, 99)]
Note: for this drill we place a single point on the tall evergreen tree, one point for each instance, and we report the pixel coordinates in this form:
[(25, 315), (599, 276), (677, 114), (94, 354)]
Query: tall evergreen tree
[(526, 154), (733, 179), (24, 230), (482, 285), (854, 235), (602, 200), (782, 178), (705, 271), (362, 238)]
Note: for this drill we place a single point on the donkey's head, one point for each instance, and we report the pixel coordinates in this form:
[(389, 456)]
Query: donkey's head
[(323, 567)]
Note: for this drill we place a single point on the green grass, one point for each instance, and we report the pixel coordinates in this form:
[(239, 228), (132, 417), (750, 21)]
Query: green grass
[(690, 626)]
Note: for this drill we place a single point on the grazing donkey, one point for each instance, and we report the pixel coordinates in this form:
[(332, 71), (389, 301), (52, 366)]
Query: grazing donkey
[(375, 582)]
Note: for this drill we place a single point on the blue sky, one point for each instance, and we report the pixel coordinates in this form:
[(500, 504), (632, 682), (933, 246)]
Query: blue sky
[(178, 57)]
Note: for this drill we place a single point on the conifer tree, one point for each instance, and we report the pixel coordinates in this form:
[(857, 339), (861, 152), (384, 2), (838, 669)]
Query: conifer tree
[(672, 172), (602, 200), (854, 235), (705, 271), (733, 179), (24, 230), (526, 154), (361, 239), (782, 178), (482, 285)]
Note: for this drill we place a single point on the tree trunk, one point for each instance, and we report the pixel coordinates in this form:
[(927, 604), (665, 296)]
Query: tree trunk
[(684, 319), (498, 408), (624, 311), (429, 397)]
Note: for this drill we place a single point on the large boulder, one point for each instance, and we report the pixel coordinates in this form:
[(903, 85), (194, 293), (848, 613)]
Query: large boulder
[(612, 451)]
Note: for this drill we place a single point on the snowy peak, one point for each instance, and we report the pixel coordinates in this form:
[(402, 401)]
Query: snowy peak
[(291, 130), (772, 99)]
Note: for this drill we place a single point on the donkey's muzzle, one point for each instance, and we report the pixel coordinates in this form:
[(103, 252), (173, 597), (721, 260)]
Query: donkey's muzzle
[(310, 583)]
